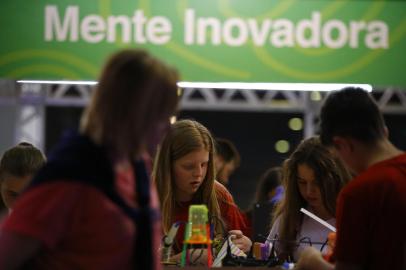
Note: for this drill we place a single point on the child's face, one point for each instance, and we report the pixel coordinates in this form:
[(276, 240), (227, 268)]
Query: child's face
[(11, 187), (308, 187), (189, 173)]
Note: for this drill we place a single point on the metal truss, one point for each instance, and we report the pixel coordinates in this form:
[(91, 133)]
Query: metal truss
[(243, 100), (30, 111), (31, 100), (390, 100)]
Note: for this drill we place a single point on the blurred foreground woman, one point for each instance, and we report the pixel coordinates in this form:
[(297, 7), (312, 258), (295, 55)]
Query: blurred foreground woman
[(92, 205)]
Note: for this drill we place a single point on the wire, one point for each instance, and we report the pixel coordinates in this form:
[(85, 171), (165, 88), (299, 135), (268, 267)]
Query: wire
[(301, 241), (191, 255), (324, 244), (197, 258), (305, 240)]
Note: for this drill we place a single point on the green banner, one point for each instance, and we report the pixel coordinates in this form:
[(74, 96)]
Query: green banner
[(210, 40)]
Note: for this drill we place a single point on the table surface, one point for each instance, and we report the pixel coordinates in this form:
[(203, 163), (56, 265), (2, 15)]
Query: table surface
[(222, 268)]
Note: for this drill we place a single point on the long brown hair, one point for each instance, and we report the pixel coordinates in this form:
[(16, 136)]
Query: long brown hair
[(135, 92), (184, 137), (331, 175)]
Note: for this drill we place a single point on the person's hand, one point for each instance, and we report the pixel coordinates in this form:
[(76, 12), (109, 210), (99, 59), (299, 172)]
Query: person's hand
[(310, 258), (240, 240)]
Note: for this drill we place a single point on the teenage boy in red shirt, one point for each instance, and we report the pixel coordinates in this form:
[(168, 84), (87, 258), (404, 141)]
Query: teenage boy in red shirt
[(371, 209)]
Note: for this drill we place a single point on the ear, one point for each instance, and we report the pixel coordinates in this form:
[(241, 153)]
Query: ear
[(386, 132), (218, 161), (338, 142), (343, 144)]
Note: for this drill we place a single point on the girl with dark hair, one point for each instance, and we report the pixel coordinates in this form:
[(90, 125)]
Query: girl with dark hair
[(312, 179)]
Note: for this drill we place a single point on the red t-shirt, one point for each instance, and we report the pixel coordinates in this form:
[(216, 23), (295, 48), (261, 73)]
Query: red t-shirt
[(80, 228), (230, 214), (371, 217)]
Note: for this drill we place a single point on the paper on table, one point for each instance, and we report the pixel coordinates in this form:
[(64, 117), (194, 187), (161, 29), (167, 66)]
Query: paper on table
[(316, 218)]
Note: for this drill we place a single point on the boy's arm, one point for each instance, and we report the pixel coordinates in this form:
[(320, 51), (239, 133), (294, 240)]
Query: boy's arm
[(311, 258)]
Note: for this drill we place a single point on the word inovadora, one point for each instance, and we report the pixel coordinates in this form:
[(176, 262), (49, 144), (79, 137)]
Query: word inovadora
[(313, 32)]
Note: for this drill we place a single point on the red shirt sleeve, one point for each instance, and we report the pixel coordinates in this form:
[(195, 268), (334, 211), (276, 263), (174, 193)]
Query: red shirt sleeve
[(230, 212)]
